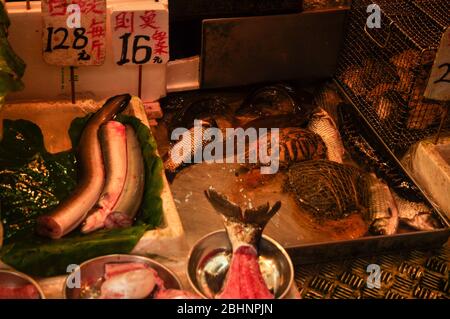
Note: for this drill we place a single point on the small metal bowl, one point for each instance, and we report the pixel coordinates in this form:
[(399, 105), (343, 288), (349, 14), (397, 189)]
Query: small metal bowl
[(92, 272), (17, 279), (209, 260)]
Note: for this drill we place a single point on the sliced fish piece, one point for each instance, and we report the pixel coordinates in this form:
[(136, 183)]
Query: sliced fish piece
[(244, 279), (175, 294), (130, 199), (24, 292), (323, 125), (113, 141), (135, 284)]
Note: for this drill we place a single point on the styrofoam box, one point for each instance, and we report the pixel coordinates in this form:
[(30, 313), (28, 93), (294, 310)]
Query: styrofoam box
[(54, 119)]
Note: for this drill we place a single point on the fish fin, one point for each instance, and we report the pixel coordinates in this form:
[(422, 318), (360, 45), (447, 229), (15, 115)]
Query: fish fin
[(261, 215), (223, 205)]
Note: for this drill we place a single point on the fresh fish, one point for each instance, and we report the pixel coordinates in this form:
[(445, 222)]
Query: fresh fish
[(23, 292), (130, 199), (134, 284), (244, 228), (416, 214), (176, 159), (323, 125), (70, 213), (382, 209), (295, 145), (327, 189), (362, 150), (113, 141)]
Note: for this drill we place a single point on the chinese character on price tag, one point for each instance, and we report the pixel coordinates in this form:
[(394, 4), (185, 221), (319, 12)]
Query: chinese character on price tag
[(74, 32), (439, 83), (140, 36)]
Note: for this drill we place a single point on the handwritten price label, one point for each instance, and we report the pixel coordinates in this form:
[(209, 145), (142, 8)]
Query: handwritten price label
[(140, 36), (438, 87), (74, 32)]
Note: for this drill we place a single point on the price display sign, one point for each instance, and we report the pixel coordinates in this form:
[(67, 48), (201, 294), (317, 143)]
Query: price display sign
[(438, 87), (140, 36), (74, 32)]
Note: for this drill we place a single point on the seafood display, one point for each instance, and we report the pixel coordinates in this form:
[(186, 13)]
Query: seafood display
[(365, 154), (382, 209), (244, 228), (131, 280), (72, 212), (113, 140), (129, 201), (323, 125), (22, 292)]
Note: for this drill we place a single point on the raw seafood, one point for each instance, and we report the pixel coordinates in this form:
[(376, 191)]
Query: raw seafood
[(69, 214), (244, 228), (174, 160), (113, 269), (363, 151), (327, 189), (130, 199), (114, 147), (382, 209), (134, 284), (24, 292), (323, 125), (416, 215)]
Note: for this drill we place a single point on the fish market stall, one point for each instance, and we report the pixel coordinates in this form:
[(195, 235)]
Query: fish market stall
[(171, 150)]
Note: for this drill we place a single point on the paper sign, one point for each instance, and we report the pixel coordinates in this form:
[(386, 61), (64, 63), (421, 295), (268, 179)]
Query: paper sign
[(140, 36), (74, 32), (438, 87)]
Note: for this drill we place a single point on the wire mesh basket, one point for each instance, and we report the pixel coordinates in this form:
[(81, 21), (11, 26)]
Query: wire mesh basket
[(438, 10), (384, 71)]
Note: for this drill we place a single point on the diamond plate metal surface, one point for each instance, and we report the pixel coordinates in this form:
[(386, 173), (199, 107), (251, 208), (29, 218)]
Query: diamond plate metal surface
[(407, 275)]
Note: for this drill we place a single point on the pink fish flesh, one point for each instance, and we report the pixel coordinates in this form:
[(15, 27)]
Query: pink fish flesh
[(113, 141), (244, 279), (134, 284), (25, 292)]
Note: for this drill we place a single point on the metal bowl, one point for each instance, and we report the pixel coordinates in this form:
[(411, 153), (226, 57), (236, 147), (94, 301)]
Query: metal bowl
[(17, 279), (92, 272), (210, 257)]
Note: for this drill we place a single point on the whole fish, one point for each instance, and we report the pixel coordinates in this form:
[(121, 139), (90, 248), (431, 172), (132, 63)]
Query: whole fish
[(323, 125), (176, 159), (113, 141), (244, 228), (363, 150), (71, 212), (416, 214), (382, 209), (130, 199)]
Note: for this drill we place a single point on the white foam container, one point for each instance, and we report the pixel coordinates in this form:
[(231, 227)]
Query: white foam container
[(166, 242)]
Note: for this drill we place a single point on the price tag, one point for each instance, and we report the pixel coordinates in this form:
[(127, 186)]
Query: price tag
[(74, 32), (438, 87), (140, 36)]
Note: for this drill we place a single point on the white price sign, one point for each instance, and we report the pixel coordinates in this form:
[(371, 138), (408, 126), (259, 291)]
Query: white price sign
[(74, 32), (438, 87), (140, 36)]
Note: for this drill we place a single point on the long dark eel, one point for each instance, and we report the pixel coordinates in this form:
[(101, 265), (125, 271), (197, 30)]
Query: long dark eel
[(71, 212)]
